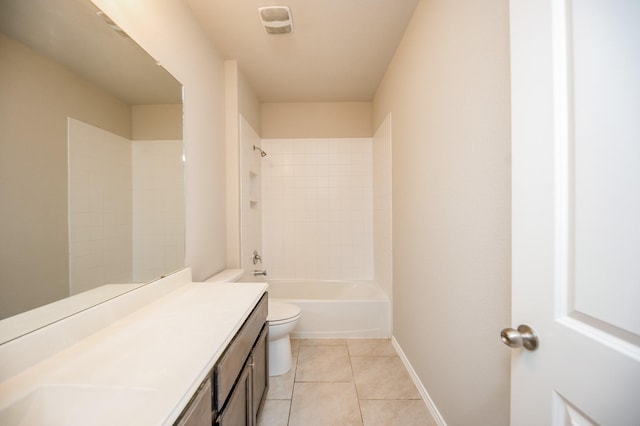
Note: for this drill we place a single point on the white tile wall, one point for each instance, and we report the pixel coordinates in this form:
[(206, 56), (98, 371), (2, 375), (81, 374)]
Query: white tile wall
[(100, 206), (158, 208), (317, 208), (126, 208)]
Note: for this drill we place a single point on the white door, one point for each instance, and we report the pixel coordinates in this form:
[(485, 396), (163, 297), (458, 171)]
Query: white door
[(576, 210)]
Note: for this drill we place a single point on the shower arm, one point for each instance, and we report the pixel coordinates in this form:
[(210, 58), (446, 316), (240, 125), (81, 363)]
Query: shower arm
[(262, 153)]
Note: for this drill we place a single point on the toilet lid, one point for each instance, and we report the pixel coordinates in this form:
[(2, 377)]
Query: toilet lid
[(280, 311)]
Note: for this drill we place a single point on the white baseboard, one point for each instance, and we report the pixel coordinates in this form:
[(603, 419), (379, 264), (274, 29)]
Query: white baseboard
[(421, 389)]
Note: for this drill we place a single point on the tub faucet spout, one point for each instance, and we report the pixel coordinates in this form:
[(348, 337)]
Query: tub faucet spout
[(258, 272)]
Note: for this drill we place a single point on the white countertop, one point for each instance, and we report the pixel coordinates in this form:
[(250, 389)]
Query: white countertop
[(21, 324), (144, 368)]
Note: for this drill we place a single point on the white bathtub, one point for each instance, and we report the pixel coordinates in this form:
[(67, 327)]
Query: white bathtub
[(333, 309)]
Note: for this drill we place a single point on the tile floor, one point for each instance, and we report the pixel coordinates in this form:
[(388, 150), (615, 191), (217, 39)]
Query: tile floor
[(340, 382)]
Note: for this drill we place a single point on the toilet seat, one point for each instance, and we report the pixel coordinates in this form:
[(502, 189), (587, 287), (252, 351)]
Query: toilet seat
[(281, 312)]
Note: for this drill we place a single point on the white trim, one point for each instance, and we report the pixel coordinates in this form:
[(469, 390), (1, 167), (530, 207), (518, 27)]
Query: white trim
[(564, 286), (431, 406)]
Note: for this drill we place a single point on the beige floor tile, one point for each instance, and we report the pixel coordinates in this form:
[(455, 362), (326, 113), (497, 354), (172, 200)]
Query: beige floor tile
[(371, 347), (387, 394), (382, 378), (295, 346), (281, 387), (324, 404), (404, 412), (274, 413), (323, 364)]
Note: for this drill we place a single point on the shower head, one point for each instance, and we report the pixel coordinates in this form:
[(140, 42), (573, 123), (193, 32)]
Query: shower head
[(262, 153)]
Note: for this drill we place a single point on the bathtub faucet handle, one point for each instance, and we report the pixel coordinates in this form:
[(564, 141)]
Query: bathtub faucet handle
[(256, 257), (257, 272)]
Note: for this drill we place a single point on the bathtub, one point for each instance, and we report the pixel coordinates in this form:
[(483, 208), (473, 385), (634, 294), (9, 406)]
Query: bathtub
[(333, 309)]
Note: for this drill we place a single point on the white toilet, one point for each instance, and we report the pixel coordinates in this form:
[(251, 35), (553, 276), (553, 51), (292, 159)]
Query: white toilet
[(282, 318)]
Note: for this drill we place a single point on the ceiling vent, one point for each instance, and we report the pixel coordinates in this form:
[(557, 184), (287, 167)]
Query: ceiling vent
[(276, 19)]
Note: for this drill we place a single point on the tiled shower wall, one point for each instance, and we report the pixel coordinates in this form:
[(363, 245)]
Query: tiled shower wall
[(317, 213), (126, 208), (158, 208), (100, 207)]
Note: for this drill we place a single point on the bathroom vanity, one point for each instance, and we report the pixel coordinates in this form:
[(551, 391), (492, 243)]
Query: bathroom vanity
[(196, 354), (233, 392)]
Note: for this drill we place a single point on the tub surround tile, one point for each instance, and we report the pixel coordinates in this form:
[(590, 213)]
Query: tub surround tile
[(382, 378), (324, 364), (324, 404), (323, 192), (395, 412)]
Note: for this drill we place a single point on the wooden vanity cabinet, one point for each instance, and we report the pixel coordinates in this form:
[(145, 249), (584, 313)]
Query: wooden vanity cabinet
[(260, 372), (238, 383), (241, 376), (250, 390), (238, 409), (198, 412)]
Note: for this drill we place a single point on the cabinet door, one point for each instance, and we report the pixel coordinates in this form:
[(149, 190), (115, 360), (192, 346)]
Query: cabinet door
[(237, 411), (236, 355), (260, 365), (198, 412)]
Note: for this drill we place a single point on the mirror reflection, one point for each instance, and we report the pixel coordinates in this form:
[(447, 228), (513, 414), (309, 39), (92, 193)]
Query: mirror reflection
[(91, 158)]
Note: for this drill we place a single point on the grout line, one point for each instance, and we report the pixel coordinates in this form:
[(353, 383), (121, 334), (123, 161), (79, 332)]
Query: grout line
[(398, 354), (295, 373), (353, 376)]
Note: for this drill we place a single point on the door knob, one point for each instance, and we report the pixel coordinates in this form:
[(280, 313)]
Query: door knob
[(524, 336)]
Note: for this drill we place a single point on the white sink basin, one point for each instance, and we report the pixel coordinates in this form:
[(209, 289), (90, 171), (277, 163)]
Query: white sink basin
[(75, 405)]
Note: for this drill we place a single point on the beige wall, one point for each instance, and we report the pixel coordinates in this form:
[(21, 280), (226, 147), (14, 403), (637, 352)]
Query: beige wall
[(173, 37), (316, 120), (248, 102), (156, 122), (36, 97), (382, 207), (232, 136), (448, 91), (240, 99)]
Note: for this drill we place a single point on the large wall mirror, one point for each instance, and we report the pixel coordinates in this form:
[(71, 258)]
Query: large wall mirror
[(91, 163)]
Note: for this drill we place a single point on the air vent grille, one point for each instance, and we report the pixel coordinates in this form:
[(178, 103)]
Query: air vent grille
[(276, 19)]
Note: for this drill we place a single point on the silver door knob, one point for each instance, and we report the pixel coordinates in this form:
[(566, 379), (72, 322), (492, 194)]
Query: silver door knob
[(524, 336)]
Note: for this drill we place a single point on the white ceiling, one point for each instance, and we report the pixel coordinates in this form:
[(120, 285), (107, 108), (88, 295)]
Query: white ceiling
[(338, 51)]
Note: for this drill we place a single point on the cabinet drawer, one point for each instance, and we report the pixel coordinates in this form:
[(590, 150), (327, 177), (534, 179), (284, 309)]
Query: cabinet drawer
[(230, 364)]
